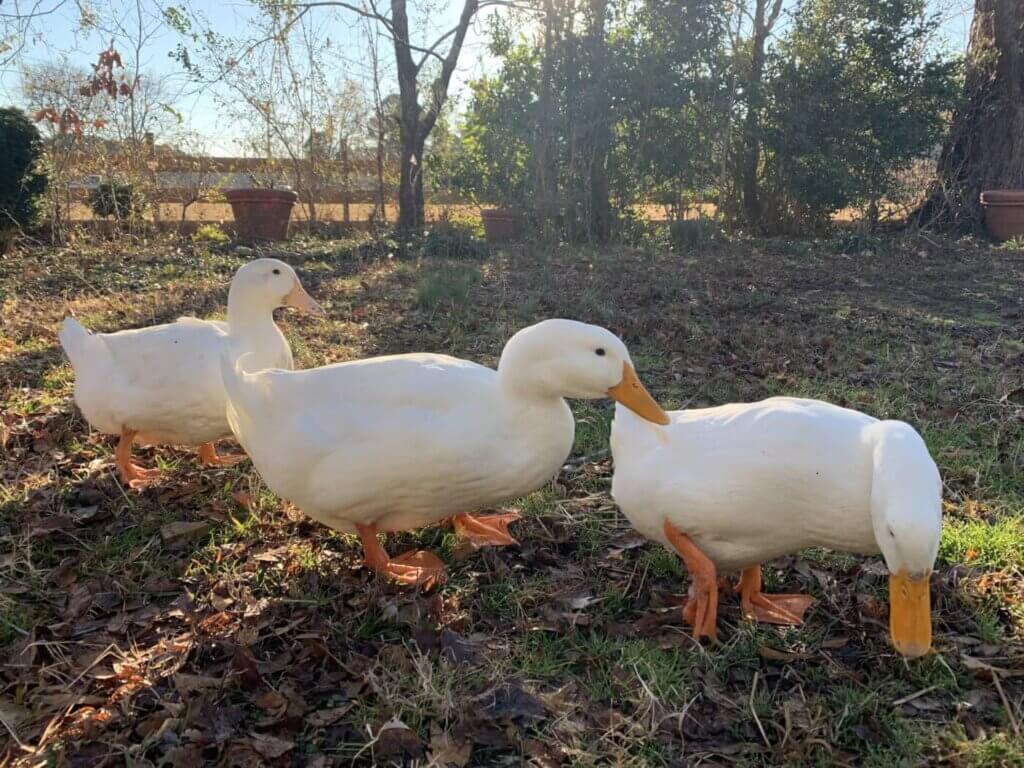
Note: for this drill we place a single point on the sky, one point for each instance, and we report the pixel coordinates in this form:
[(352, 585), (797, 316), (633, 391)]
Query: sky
[(60, 34)]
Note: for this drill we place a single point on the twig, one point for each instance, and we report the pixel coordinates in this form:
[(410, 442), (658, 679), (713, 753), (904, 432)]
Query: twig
[(753, 711), (913, 696), (1006, 703), (14, 735)]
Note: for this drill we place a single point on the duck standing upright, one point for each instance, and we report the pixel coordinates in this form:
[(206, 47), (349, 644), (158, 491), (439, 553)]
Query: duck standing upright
[(400, 442), (162, 384), (730, 487)]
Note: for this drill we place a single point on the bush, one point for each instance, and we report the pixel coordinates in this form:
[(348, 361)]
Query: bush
[(688, 234), (631, 228), (453, 244), (120, 201), (854, 94), (210, 234), (23, 178)]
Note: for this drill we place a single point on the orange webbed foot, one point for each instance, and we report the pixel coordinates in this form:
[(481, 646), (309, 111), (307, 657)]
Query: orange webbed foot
[(485, 531), (784, 610), (131, 474), (701, 609), (416, 568), (208, 457)]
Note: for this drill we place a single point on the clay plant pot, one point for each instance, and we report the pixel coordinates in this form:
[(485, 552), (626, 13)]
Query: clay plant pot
[(261, 214), (503, 225), (1004, 212)]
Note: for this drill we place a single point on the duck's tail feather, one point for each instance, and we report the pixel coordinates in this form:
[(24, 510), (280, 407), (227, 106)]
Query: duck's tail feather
[(80, 344)]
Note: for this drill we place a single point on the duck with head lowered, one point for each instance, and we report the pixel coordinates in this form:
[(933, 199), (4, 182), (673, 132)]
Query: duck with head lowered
[(162, 384), (730, 487), (400, 442)]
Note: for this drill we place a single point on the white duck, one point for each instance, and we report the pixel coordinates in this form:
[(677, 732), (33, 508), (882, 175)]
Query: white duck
[(731, 487), (162, 384), (400, 442)]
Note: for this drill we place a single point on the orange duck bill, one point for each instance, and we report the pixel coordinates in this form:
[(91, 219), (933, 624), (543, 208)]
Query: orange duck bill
[(632, 394)]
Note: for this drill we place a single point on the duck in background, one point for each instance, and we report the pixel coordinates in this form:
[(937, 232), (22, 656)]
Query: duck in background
[(162, 384), (730, 487), (400, 442)]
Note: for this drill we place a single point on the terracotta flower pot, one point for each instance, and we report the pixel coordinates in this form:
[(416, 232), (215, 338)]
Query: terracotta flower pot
[(503, 225), (1004, 212), (261, 214)]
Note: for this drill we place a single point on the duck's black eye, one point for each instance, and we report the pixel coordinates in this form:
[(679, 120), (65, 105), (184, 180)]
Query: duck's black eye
[(599, 351), (277, 271)]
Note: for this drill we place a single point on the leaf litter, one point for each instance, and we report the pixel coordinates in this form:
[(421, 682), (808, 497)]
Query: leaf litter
[(202, 621)]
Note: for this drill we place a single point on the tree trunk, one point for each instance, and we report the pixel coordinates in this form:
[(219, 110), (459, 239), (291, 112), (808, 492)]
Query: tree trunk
[(416, 127), (598, 204), (764, 21), (408, 169), (421, 208), (985, 149), (547, 182)]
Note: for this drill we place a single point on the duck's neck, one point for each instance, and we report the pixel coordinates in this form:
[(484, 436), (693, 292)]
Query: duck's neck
[(523, 384), (247, 320)]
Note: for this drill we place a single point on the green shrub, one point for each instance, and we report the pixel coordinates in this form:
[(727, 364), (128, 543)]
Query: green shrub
[(689, 234), (631, 228), (23, 178), (210, 234), (453, 244), (448, 285), (882, 95), (111, 199), (471, 226)]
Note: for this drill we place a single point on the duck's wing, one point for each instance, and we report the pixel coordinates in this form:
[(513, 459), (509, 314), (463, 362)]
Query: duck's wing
[(374, 433)]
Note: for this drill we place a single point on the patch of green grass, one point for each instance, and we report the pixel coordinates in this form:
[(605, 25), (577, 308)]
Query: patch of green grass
[(610, 664), (593, 428), (662, 563), (994, 545), (448, 285), (614, 604), (537, 503), (1000, 750), (500, 597), (541, 655), (591, 536), (16, 617)]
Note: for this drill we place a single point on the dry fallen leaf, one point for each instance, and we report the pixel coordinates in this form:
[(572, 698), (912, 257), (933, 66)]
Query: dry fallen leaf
[(774, 654), (325, 717), (447, 751), (271, 747), (183, 531)]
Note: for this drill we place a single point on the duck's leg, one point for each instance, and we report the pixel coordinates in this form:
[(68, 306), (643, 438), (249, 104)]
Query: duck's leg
[(490, 530), (787, 610), (701, 610), (132, 475), (208, 456), (416, 568)]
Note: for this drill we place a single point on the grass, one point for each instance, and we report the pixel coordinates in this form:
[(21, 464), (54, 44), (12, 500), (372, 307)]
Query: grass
[(568, 648)]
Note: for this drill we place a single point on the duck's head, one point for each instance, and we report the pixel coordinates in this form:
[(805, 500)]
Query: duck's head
[(265, 284), (566, 358), (907, 518)]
